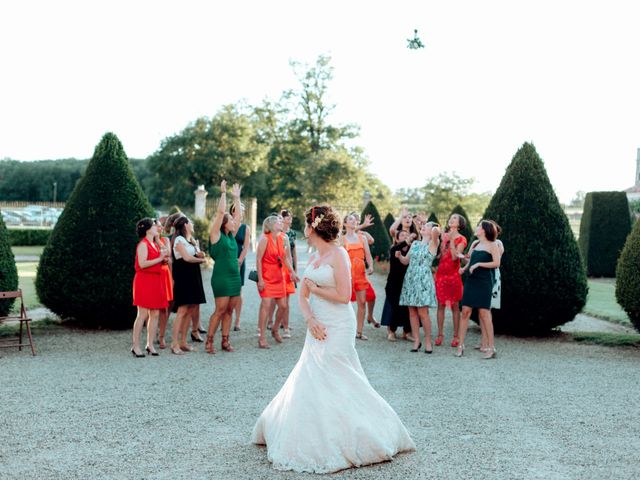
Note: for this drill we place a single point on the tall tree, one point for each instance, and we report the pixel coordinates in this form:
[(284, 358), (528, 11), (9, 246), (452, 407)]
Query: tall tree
[(8, 270)]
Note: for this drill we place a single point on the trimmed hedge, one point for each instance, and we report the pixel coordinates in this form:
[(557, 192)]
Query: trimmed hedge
[(86, 270), (388, 221), (604, 228), (543, 278), (467, 231), (628, 277), (8, 270), (433, 218), (382, 244), (201, 233), (24, 237)]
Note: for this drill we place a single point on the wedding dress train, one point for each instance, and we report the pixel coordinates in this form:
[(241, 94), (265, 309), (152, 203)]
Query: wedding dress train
[(327, 417)]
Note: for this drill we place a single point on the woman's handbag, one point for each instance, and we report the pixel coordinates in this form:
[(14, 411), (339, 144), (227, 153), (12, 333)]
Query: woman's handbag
[(253, 275)]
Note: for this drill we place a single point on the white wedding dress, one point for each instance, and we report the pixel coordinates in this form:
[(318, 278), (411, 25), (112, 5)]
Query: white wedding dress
[(327, 417)]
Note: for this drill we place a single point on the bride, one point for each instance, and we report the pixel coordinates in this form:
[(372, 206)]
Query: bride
[(327, 417)]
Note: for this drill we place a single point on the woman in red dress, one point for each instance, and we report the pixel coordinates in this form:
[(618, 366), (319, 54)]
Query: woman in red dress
[(149, 285), (448, 281)]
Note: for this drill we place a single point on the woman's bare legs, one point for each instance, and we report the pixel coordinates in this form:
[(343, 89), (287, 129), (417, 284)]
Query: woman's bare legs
[(152, 325), (266, 307), (423, 314), (415, 327), (163, 319), (361, 300), (141, 317)]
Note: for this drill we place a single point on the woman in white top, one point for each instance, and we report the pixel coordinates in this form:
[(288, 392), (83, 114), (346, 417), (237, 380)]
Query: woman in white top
[(188, 292)]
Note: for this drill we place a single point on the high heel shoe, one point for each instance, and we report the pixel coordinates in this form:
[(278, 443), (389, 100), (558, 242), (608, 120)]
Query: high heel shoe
[(176, 351), (263, 344), (416, 349), (137, 355), (439, 339), (460, 352), (361, 336), (201, 330), (455, 342), (373, 321), (489, 354), (196, 337), (208, 347), (225, 345), (153, 354)]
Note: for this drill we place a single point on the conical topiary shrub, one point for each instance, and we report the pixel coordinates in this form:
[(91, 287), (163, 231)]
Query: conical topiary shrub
[(543, 278), (604, 228), (628, 276), (86, 270), (433, 218), (467, 231), (8, 271), (382, 244), (388, 221)]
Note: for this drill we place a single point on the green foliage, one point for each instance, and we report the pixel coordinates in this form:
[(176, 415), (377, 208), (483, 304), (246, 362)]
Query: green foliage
[(543, 279), (433, 218), (201, 233), (174, 209), (29, 236), (467, 231), (382, 244), (603, 230), (446, 190), (388, 221), (86, 270), (33, 181), (628, 277), (8, 271)]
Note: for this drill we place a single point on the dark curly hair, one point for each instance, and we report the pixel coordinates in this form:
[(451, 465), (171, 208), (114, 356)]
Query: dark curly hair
[(328, 229), (144, 225)]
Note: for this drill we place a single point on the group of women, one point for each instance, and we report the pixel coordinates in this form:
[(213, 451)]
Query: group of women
[(168, 278), (412, 288)]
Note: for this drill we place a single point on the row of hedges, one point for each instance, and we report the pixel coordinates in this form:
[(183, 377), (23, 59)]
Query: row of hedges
[(29, 236)]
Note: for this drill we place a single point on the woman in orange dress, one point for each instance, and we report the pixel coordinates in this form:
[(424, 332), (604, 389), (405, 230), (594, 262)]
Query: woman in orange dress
[(272, 282), (149, 285), (358, 249)]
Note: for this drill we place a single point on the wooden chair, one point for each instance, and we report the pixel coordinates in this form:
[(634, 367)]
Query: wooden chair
[(22, 318)]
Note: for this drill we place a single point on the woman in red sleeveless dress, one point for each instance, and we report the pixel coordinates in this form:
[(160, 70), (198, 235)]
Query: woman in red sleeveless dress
[(447, 278), (272, 282), (149, 285), (358, 250)]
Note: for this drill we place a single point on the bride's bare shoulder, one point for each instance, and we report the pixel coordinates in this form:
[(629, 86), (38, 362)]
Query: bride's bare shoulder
[(339, 256)]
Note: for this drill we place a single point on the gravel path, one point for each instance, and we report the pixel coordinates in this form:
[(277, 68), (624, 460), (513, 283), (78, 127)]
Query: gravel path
[(85, 408)]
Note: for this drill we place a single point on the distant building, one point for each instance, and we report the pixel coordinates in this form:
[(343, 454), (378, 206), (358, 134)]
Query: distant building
[(633, 193)]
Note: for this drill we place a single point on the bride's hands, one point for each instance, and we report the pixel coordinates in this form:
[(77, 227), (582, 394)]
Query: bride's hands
[(317, 329), (311, 285)]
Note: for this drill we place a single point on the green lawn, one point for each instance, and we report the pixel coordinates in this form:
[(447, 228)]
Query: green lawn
[(601, 301), (26, 281), (31, 251)]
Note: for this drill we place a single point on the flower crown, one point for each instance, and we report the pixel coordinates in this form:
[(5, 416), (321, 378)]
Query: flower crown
[(317, 221)]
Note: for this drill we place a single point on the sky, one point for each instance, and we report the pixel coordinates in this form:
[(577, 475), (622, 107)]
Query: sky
[(564, 75)]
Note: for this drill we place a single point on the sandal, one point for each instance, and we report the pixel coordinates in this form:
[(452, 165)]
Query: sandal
[(373, 321), (176, 351), (263, 344), (225, 345), (360, 336), (276, 336), (208, 347), (455, 342), (439, 339)]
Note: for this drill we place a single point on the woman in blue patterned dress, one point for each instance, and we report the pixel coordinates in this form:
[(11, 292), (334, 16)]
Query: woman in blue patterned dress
[(418, 288)]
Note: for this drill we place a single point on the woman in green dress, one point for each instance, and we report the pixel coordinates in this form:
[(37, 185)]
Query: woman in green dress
[(225, 279)]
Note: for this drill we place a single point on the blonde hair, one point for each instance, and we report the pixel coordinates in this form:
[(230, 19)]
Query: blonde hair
[(268, 223)]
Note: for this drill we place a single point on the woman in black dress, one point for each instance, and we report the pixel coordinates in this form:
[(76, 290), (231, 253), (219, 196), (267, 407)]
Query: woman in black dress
[(395, 315), (478, 287), (188, 292)]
